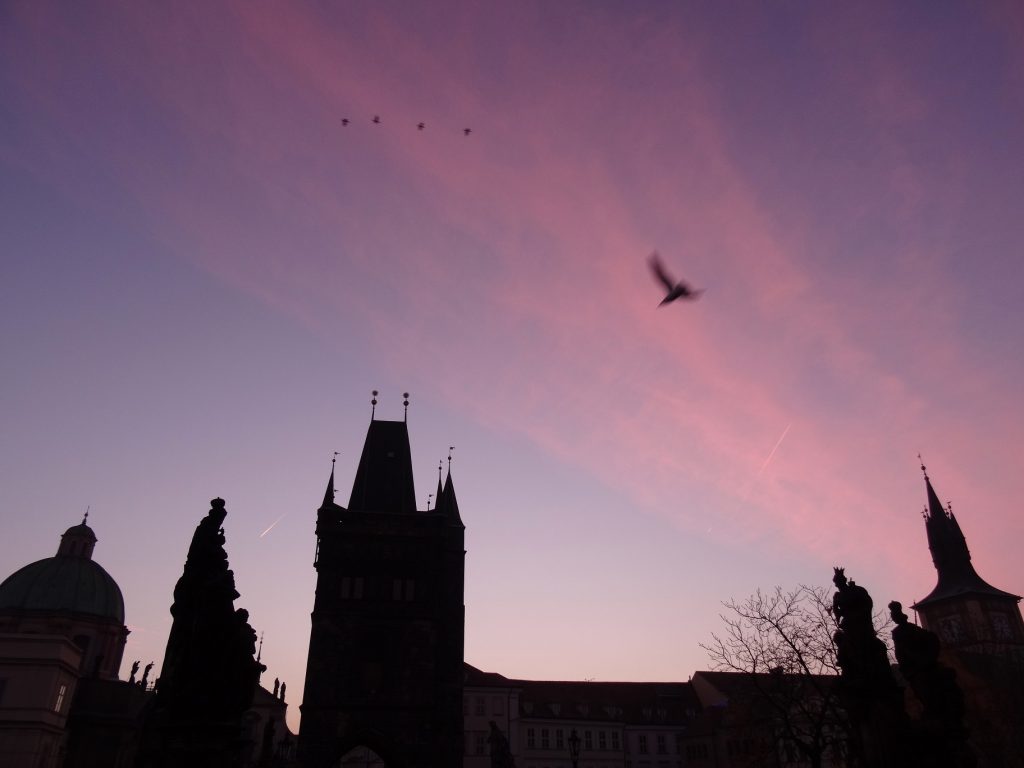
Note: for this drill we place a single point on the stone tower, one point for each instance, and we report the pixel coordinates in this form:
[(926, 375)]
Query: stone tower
[(384, 673), (964, 610)]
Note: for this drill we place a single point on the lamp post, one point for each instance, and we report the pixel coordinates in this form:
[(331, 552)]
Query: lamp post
[(574, 748)]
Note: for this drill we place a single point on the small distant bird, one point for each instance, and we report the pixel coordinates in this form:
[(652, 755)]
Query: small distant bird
[(677, 289), (467, 131), (376, 118), (344, 121), (420, 126)]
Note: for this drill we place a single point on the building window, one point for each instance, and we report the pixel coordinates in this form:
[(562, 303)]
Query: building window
[(346, 587), (641, 741), (531, 738), (615, 740), (61, 692), (602, 742), (396, 589), (410, 589), (481, 743), (559, 739), (544, 741), (1001, 627), (951, 629), (662, 749), (481, 706), (497, 705), (588, 739), (697, 751)]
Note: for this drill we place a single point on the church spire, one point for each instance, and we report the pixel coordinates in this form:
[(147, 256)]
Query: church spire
[(329, 493), (447, 504), (952, 558)]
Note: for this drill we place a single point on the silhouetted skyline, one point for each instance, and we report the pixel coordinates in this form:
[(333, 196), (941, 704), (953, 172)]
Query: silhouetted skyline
[(204, 275)]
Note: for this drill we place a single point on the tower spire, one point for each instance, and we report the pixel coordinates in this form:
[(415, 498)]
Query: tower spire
[(373, 405), (329, 493), (405, 402)]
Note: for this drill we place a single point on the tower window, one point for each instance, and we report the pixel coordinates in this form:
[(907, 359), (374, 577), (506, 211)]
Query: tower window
[(61, 692), (1001, 627), (403, 589)]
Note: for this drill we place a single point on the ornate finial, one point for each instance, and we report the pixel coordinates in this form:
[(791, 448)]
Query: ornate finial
[(373, 405), (924, 469), (259, 653), (440, 464), (949, 508), (450, 449), (87, 507), (334, 458), (429, 497), (924, 512), (405, 402)]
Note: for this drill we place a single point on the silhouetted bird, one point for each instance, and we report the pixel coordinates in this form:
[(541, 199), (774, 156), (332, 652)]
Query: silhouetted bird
[(677, 289), (344, 121), (420, 126), (467, 131), (376, 118)]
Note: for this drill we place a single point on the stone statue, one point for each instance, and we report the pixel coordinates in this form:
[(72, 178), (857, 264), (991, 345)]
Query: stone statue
[(135, 669), (145, 675), (210, 672), (283, 687), (868, 691), (501, 754), (277, 685), (935, 686)]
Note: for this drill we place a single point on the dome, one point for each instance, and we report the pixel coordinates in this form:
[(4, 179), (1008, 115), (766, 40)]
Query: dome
[(64, 585), (71, 582)]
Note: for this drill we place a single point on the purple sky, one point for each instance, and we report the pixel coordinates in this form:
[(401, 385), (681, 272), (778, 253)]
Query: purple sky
[(204, 275)]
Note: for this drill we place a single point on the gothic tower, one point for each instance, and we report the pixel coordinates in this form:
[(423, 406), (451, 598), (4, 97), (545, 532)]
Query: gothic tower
[(384, 674), (968, 613)]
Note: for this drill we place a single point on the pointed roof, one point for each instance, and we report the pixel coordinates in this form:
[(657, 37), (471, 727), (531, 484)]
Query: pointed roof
[(448, 505), (440, 488), (329, 493), (384, 481), (951, 556)]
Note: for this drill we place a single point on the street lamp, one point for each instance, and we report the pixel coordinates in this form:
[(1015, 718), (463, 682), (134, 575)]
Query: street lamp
[(574, 748)]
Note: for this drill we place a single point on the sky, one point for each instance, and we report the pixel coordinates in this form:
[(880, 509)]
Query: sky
[(204, 273)]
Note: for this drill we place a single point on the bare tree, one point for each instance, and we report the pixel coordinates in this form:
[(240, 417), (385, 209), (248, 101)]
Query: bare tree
[(779, 645)]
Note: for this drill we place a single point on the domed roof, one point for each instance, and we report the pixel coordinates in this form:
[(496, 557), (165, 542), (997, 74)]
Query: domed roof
[(68, 583)]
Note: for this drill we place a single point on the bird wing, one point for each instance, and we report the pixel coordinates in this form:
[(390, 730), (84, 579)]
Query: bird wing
[(659, 271)]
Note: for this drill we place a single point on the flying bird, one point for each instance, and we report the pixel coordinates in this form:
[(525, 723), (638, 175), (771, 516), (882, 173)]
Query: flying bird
[(677, 289), (344, 121), (420, 126), (376, 118), (467, 131)]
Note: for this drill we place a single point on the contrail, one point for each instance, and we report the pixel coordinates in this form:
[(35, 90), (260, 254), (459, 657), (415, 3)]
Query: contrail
[(777, 444), (282, 518)]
